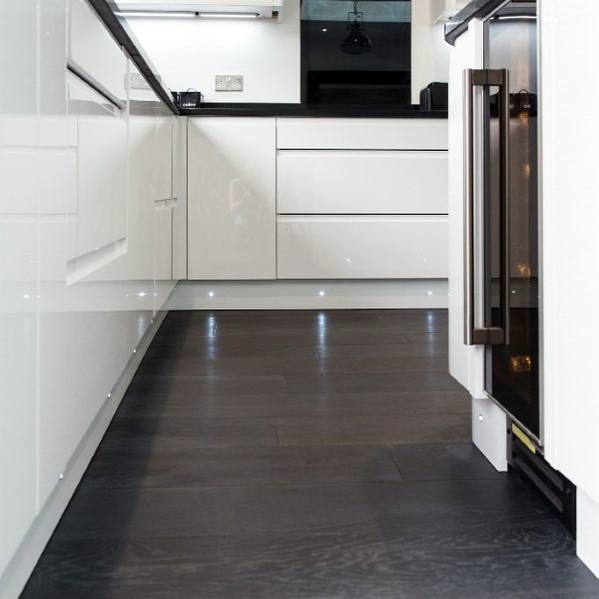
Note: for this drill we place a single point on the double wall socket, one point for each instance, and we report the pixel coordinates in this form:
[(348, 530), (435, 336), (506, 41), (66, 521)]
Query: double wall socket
[(228, 83)]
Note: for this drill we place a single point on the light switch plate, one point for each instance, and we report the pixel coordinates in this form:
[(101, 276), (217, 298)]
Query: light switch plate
[(228, 83)]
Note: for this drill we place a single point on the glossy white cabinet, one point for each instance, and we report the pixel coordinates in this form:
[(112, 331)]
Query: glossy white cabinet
[(93, 50), (570, 245), (66, 340), (358, 247), (101, 168), (163, 160), (231, 201), (361, 134), (180, 193), (361, 182), (19, 240)]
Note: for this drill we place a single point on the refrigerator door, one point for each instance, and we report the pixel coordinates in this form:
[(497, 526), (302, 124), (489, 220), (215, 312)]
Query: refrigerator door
[(510, 222)]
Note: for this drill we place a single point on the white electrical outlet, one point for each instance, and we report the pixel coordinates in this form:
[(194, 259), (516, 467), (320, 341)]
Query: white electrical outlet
[(228, 83), (137, 81)]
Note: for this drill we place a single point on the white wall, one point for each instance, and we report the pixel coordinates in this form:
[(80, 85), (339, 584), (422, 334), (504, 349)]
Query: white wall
[(70, 318), (430, 52), (188, 53)]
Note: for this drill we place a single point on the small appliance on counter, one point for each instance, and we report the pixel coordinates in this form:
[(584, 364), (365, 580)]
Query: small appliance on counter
[(188, 99), (434, 97)]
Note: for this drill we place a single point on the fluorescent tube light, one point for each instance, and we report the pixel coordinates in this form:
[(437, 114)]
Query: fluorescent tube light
[(179, 14), (228, 15), (516, 17)]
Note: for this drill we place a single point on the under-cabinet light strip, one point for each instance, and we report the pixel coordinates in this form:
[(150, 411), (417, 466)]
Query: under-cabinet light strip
[(158, 13), (187, 14)]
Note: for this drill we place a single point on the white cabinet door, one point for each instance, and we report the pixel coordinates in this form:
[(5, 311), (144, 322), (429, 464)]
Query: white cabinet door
[(163, 253), (231, 198), (361, 134), (93, 50), (570, 248), (362, 247), (465, 362), (102, 164), (180, 193), (361, 182), (163, 160)]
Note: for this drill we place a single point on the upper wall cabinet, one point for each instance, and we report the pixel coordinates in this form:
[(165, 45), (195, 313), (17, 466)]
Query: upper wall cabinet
[(93, 51), (231, 198), (362, 134)]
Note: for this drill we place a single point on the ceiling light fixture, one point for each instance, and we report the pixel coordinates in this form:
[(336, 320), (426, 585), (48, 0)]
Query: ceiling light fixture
[(228, 15)]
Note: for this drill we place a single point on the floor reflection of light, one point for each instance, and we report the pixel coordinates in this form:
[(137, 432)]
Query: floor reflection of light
[(141, 325), (211, 334), (322, 331)]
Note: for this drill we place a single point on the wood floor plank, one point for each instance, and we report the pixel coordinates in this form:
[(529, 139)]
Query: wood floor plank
[(384, 405), (180, 433), (193, 466), (389, 508), (350, 430)]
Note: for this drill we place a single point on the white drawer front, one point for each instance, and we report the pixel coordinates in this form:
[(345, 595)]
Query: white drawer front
[(94, 51), (362, 247), (361, 134), (361, 182)]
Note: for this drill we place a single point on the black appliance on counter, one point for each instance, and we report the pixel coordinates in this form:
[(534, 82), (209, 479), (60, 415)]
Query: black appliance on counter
[(188, 99), (434, 96)]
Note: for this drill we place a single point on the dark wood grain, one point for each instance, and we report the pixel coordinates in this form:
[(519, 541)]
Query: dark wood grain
[(302, 454), (383, 405), (192, 466)]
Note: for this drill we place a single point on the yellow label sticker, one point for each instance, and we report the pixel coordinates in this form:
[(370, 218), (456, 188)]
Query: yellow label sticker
[(524, 438)]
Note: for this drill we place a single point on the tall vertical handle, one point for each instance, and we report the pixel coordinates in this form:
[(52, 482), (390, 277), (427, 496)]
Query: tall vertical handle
[(486, 335)]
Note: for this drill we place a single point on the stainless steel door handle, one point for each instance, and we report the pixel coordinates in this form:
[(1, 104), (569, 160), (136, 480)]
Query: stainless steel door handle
[(485, 335)]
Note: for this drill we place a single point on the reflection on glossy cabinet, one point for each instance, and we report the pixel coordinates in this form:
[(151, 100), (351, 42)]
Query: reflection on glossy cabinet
[(163, 158), (93, 50), (102, 160), (231, 200)]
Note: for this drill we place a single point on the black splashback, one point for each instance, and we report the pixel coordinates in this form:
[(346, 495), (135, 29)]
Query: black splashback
[(374, 70)]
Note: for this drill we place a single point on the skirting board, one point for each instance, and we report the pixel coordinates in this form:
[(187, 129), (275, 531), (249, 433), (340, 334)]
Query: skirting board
[(308, 295), (22, 564)]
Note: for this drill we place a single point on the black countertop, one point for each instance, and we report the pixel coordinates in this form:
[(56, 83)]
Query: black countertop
[(323, 111)]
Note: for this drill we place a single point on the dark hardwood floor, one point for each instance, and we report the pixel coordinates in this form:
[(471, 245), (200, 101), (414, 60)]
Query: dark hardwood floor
[(302, 454)]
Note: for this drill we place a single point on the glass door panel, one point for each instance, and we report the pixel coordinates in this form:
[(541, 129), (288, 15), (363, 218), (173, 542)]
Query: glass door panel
[(512, 369)]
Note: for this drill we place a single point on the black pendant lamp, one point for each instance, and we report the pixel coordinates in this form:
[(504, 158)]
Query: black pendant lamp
[(355, 41)]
